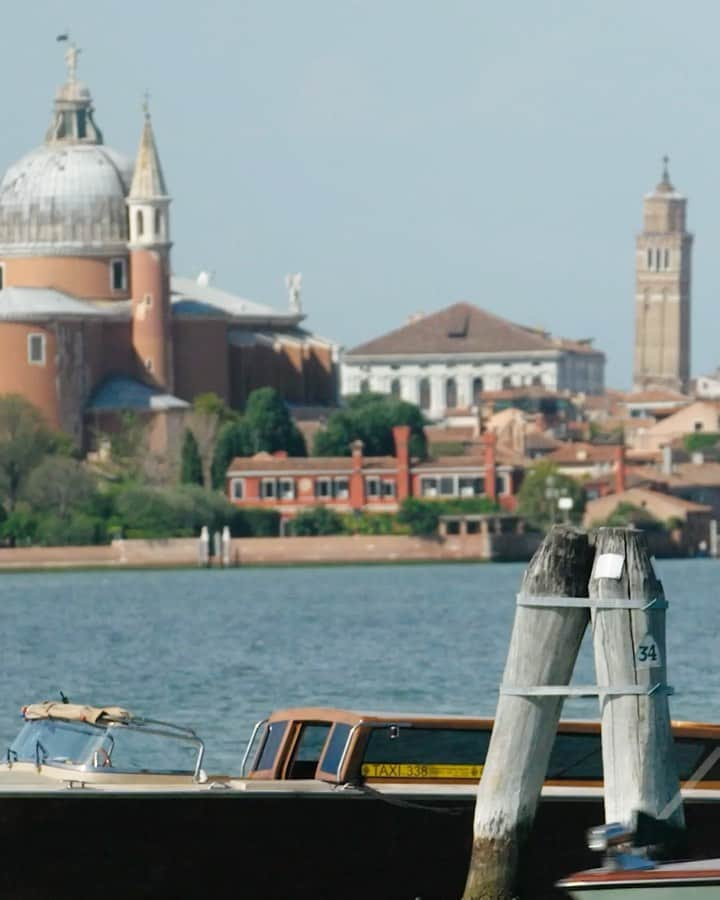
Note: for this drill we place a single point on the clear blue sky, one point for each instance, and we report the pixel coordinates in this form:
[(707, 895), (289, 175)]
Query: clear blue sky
[(406, 155)]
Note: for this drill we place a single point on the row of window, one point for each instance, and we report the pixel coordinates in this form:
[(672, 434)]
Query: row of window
[(324, 488), (451, 389), (658, 260), (459, 486)]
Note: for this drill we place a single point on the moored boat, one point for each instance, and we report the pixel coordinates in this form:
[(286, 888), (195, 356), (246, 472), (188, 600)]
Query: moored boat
[(629, 872), (327, 803)]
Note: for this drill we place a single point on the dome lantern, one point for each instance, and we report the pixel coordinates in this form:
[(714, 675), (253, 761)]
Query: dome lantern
[(73, 118)]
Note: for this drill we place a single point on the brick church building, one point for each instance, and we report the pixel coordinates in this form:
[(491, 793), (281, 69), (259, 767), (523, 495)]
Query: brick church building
[(92, 321)]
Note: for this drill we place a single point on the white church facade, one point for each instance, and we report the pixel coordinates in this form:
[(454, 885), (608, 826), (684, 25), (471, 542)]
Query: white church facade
[(448, 360)]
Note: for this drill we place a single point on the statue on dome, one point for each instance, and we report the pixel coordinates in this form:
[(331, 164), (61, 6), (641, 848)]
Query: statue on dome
[(71, 55), (293, 283)]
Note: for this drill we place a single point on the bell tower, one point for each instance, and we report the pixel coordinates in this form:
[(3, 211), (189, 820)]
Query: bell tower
[(149, 224), (662, 293)]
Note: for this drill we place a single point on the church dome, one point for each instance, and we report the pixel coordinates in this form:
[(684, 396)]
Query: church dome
[(66, 197)]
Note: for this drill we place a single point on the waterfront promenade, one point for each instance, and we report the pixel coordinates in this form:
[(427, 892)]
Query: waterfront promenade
[(333, 549)]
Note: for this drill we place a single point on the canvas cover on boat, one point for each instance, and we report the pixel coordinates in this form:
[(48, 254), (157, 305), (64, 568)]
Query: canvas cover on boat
[(74, 712)]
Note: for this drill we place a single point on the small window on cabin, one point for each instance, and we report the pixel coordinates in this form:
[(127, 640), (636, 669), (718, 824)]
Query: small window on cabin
[(36, 344), (139, 223), (576, 757), (308, 750), (238, 488), (342, 488), (268, 488), (394, 751), (388, 488), (335, 748), (274, 734)]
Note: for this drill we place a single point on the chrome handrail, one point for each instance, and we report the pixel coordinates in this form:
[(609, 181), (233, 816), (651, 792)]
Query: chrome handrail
[(258, 726)]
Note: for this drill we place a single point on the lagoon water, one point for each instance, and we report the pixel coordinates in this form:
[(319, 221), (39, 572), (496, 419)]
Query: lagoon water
[(218, 650)]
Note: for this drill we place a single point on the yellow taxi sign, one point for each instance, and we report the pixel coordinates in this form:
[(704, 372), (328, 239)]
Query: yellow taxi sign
[(419, 770)]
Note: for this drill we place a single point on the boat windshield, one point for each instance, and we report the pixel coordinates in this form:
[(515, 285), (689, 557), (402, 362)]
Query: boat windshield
[(141, 745), (53, 741)]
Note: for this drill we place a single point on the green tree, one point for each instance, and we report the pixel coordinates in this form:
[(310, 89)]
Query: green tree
[(370, 418), (24, 440), (317, 521), (59, 485), (235, 439), (270, 424), (191, 468), (540, 491), (701, 440)]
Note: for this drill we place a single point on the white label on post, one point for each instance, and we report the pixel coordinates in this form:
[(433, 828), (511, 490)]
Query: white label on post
[(647, 655), (609, 565)]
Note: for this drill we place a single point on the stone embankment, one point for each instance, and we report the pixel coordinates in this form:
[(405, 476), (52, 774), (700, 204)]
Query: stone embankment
[(336, 549)]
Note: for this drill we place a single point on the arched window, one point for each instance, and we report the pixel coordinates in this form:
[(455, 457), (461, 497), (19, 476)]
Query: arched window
[(450, 394), (395, 387), (139, 223), (477, 389), (158, 222), (424, 393)]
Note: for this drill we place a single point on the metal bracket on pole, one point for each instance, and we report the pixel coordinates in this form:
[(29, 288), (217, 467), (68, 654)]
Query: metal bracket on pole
[(571, 690), (580, 602)]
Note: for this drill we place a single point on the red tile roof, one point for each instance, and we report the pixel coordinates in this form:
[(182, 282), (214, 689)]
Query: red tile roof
[(460, 328), (582, 453), (268, 464)]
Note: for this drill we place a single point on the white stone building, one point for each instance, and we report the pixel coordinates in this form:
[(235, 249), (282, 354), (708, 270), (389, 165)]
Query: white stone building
[(446, 361)]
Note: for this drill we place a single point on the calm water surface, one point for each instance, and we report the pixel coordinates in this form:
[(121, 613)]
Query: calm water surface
[(219, 650)]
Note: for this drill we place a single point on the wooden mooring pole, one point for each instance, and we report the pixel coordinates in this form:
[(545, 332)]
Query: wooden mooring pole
[(629, 645), (543, 647)]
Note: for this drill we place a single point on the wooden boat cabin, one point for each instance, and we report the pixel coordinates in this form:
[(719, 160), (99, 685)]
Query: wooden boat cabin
[(346, 747)]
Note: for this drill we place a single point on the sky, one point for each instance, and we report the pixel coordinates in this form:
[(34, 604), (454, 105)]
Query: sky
[(405, 154)]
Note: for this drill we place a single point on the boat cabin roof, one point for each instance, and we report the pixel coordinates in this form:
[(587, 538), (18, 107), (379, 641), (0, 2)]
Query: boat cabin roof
[(356, 717)]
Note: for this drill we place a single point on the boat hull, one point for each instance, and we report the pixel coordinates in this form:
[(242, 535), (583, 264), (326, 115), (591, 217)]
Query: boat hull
[(277, 844)]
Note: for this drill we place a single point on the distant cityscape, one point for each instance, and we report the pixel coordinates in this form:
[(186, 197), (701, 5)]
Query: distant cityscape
[(95, 327)]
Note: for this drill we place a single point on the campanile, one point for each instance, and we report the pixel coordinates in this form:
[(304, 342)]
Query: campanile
[(662, 291)]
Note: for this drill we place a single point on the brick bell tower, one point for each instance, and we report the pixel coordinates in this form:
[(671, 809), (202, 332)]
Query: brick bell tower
[(662, 294), (149, 222)]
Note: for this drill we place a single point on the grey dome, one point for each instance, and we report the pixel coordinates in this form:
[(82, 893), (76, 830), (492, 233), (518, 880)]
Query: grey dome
[(64, 198)]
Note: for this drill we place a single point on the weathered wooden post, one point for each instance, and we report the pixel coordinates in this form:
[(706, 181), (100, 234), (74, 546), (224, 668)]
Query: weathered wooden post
[(545, 640), (628, 620)]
